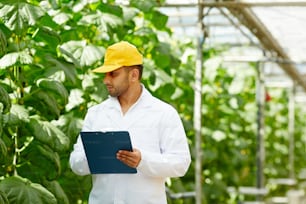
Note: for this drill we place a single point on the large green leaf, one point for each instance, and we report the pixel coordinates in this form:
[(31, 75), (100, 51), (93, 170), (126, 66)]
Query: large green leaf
[(3, 43), (53, 86), (48, 37), (38, 161), (159, 19), (48, 93), (111, 9), (162, 56), (15, 58), (129, 13), (161, 79), (49, 134), (3, 149), (17, 16), (79, 51), (105, 21), (91, 54), (57, 190), (70, 125), (145, 6), (50, 155), (58, 65), (3, 198), (75, 99), (44, 102), (143, 35), (5, 100), (1, 126), (18, 115), (22, 191), (43, 161)]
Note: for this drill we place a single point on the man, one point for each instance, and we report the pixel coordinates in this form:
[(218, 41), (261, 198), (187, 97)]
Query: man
[(160, 147)]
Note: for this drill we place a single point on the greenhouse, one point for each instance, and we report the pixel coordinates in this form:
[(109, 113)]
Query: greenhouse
[(234, 70)]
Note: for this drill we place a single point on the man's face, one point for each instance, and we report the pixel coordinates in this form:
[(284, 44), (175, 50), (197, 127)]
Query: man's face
[(117, 82)]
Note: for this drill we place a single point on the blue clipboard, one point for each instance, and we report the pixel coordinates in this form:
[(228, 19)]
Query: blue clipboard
[(101, 148)]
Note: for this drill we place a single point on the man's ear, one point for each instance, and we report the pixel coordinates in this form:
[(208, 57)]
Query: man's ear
[(134, 74)]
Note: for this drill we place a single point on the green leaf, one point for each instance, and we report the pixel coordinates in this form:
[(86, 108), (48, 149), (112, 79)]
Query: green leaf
[(20, 190), (177, 93), (38, 161), (75, 99), (73, 125), (218, 135), (49, 134), (60, 65), (104, 21), (161, 79), (3, 198), (79, 51), (211, 68), (42, 99), (61, 18), (129, 13), (145, 6), (1, 125), (162, 60), (91, 54), (48, 36), (17, 16), (17, 115), (112, 9), (146, 32), (15, 58), (3, 150), (50, 156), (69, 124), (162, 56), (57, 190), (53, 86), (3, 43), (159, 19), (5, 100)]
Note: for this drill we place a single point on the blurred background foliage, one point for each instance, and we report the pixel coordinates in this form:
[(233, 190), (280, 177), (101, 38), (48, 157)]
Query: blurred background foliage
[(47, 51)]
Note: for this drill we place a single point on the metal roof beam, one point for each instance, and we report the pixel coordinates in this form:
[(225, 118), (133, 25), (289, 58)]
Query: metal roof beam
[(247, 17)]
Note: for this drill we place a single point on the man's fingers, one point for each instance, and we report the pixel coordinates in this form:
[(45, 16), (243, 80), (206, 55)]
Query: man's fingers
[(129, 158)]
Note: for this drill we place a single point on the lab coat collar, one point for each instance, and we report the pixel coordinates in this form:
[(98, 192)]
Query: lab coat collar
[(144, 100), (144, 103)]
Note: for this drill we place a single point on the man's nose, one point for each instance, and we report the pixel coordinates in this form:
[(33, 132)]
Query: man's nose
[(106, 78)]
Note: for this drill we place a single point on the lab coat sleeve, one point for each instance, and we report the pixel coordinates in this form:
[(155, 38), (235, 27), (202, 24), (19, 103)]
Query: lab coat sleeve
[(78, 161), (174, 158)]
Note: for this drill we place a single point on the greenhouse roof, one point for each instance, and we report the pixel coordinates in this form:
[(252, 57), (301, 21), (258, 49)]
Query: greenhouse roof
[(271, 32)]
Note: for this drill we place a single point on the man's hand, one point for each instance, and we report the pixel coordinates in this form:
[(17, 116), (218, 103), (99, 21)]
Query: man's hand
[(132, 159)]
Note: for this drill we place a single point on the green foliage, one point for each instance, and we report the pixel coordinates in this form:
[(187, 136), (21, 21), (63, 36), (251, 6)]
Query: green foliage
[(47, 52), (3, 198), (5, 100), (229, 127), (55, 188), (20, 190)]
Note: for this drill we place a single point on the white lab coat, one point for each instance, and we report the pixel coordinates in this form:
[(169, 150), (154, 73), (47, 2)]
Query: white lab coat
[(157, 131)]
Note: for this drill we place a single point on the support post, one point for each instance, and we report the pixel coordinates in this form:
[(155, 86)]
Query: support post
[(260, 99), (291, 122), (198, 109)]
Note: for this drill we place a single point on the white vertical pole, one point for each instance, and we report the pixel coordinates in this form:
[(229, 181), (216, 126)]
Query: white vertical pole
[(291, 121), (260, 154), (197, 108)]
